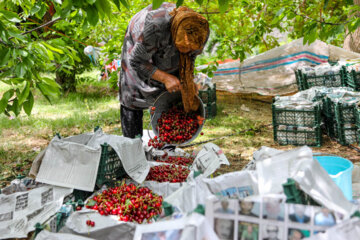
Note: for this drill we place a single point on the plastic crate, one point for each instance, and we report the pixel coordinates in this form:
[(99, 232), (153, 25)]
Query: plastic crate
[(209, 95), (110, 166), (210, 110), (298, 137), (295, 195), (328, 108), (331, 128), (347, 134), (357, 116), (353, 80), (299, 80), (344, 113), (81, 195), (329, 80), (294, 117)]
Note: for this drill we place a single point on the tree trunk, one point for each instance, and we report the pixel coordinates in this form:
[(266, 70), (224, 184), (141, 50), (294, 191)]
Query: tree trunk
[(66, 81), (352, 41)]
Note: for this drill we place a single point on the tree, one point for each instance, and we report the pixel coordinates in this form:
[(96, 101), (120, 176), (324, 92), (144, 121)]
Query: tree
[(239, 28), (352, 40)]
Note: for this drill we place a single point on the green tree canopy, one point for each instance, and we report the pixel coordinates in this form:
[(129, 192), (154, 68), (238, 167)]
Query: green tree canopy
[(48, 35)]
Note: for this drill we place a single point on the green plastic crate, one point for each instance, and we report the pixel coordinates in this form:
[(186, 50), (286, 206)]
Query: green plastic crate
[(295, 195), (209, 95), (347, 135), (331, 128), (81, 195), (345, 113), (210, 110), (357, 116), (294, 117), (330, 80), (353, 80), (299, 80), (294, 136), (110, 166)]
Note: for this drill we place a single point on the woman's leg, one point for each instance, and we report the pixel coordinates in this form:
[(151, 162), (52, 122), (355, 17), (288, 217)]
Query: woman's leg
[(131, 122)]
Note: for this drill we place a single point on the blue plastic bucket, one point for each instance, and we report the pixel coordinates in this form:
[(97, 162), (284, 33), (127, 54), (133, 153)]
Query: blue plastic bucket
[(340, 170)]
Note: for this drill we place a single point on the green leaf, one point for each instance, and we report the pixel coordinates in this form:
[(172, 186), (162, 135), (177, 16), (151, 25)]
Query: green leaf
[(20, 70), (123, 2), (4, 100), (25, 93), (311, 37), (198, 2), (28, 105), (48, 90), (42, 11), (106, 7), (15, 107), (326, 2), (11, 16), (350, 2), (92, 15), (179, 3), (156, 3), (16, 35), (281, 10), (90, 1), (51, 82), (6, 53), (53, 48), (223, 5), (35, 9)]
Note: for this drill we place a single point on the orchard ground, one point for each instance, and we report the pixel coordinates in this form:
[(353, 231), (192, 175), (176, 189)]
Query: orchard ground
[(95, 104)]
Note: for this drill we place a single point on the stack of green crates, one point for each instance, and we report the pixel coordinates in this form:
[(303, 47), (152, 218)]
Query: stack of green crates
[(340, 122), (302, 126), (208, 97)]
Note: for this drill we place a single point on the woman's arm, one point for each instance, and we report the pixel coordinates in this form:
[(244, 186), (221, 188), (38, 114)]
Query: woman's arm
[(171, 82)]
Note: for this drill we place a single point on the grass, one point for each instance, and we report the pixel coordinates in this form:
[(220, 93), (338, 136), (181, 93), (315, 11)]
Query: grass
[(95, 104)]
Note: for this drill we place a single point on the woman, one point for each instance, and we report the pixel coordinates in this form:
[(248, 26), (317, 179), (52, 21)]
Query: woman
[(158, 54)]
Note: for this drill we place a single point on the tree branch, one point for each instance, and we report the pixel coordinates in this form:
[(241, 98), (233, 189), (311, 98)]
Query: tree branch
[(44, 25), (319, 21)]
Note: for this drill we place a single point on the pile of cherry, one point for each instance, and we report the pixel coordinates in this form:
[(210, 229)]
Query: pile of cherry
[(130, 203), (168, 173), (175, 126), (178, 160)]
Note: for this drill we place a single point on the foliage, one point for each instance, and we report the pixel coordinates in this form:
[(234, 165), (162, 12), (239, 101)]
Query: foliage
[(26, 52), (240, 28)]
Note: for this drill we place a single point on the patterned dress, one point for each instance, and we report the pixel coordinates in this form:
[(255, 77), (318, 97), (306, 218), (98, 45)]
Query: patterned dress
[(148, 46)]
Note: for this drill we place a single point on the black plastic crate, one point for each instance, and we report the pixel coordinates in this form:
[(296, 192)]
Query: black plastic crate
[(296, 117), (110, 166), (298, 137), (210, 110), (209, 95), (81, 195)]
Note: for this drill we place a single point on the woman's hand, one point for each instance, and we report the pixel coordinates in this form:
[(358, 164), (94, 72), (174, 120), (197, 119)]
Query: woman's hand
[(171, 82)]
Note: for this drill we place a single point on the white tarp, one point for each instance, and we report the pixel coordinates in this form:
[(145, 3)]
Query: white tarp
[(272, 72)]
